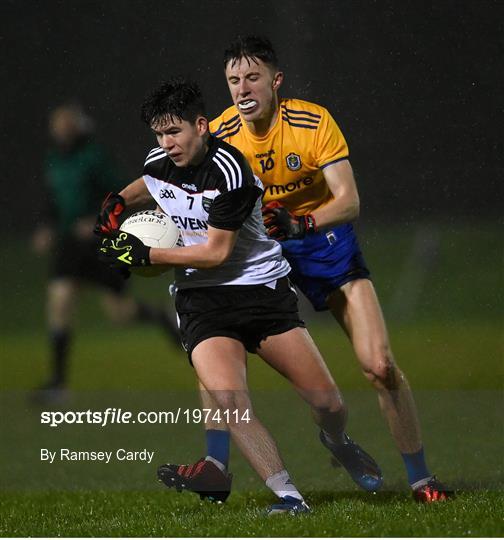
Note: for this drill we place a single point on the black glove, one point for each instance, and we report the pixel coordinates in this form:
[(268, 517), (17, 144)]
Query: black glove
[(282, 225), (112, 207), (123, 250)]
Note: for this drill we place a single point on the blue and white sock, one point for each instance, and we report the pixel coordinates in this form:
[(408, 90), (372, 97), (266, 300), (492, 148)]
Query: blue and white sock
[(218, 442), (281, 485), (416, 468)]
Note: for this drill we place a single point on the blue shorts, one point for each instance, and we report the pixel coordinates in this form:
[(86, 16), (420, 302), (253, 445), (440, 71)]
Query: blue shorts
[(323, 262)]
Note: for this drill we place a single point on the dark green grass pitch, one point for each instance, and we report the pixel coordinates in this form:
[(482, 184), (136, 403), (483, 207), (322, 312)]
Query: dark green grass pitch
[(159, 514), (448, 341), (462, 432)]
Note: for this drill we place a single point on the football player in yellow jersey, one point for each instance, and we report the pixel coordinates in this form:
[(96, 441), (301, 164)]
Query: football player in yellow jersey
[(311, 198)]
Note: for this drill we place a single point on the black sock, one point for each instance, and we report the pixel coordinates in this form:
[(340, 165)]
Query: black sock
[(333, 425), (60, 343)]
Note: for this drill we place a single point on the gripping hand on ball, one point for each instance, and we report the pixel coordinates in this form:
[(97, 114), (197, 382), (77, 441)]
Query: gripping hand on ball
[(123, 250), (283, 225), (112, 207)]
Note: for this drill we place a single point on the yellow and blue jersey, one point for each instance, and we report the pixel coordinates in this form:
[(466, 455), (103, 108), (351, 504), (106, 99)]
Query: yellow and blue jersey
[(290, 159)]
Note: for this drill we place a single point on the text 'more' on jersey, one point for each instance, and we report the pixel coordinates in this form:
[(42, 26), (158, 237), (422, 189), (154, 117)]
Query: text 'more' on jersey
[(290, 158), (221, 192)]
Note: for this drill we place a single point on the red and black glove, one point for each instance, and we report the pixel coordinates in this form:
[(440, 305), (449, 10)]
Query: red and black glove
[(283, 225), (123, 250), (112, 207)]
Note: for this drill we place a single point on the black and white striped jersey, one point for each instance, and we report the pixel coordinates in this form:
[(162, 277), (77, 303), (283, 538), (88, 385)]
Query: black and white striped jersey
[(222, 192)]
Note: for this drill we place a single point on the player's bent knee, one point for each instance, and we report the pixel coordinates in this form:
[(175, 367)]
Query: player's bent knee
[(325, 399), (234, 403), (384, 374)]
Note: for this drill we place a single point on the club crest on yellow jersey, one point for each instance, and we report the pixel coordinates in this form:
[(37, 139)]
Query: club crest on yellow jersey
[(293, 161), (290, 159)]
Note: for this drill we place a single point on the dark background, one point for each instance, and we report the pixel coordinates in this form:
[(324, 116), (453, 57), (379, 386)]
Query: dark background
[(415, 88)]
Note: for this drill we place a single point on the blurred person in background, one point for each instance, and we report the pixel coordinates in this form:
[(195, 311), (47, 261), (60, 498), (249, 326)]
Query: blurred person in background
[(76, 172)]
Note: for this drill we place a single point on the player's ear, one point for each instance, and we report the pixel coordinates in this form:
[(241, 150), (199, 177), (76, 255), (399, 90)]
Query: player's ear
[(277, 80), (201, 125)]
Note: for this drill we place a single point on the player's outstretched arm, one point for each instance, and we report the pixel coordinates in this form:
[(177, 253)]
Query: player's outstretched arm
[(213, 253), (136, 194), (345, 205), (124, 250)]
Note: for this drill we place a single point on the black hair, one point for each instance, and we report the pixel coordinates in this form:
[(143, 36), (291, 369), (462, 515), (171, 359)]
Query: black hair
[(251, 47), (175, 98)]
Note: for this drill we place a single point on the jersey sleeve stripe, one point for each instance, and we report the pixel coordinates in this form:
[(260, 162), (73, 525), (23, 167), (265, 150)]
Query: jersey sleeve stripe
[(332, 162), (235, 164), (294, 124), (300, 118), (293, 111), (225, 171), (230, 121), (226, 130), (154, 158), (155, 151), (226, 135), (229, 124)]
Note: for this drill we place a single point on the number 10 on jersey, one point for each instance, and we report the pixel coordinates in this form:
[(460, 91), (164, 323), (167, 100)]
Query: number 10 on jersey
[(266, 164)]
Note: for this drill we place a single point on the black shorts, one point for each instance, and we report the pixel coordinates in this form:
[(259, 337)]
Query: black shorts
[(78, 259), (247, 313)]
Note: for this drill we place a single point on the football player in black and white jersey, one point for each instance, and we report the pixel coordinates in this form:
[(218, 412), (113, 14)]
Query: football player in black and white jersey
[(233, 294)]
